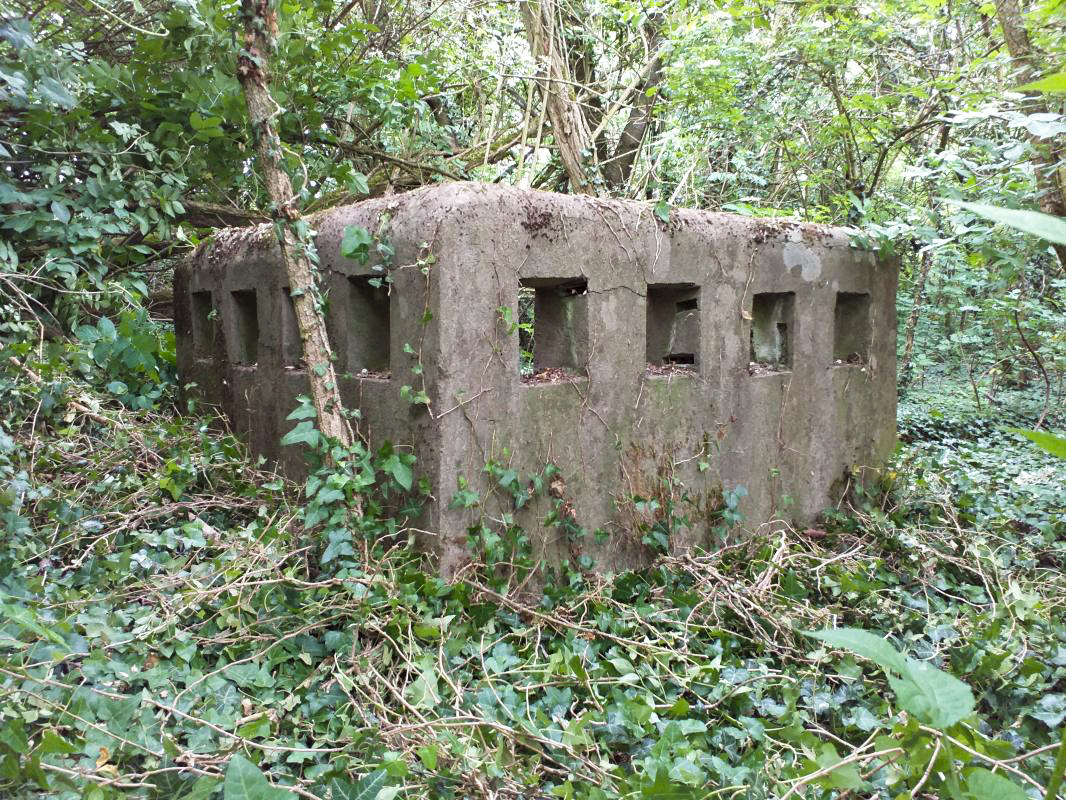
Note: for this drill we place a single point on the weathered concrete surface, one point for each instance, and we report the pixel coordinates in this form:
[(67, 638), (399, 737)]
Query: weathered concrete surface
[(698, 299)]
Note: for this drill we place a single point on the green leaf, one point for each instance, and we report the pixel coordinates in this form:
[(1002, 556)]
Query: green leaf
[(51, 742), (932, 695), (400, 472), (1043, 225), (54, 92), (356, 243), (366, 788), (428, 755), (244, 781), (203, 789), (1049, 442), (865, 644), (304, 433), (358, 183), (60, 212), (1052, 83), (662, 210), (27, 620), (423, 692), (982, 784), (13, 735), (845, 776), (258, 728)]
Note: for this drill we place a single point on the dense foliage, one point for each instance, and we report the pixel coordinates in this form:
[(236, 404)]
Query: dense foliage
[(176, 622)]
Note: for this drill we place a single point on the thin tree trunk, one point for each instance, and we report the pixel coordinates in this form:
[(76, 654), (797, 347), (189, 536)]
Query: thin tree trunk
[(569, 126), (1045, 157), (297, 249), (923, 270), (916, 311), (619, 168)]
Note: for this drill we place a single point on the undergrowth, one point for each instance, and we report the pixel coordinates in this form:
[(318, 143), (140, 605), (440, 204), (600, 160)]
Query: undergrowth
[(175, 625)]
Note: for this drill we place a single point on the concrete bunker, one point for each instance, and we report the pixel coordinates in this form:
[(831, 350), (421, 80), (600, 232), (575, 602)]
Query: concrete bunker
[(709, 352)]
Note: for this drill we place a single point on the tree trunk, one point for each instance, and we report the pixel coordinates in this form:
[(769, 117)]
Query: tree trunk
[(1045, 157), (912, 319), (618, 170), (294, 238), (569, 126)]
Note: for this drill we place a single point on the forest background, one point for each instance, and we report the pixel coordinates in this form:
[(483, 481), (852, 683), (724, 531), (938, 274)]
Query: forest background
[(175, 621)]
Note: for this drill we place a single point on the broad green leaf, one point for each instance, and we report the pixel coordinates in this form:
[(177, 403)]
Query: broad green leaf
[(1052, 83), (932, 695), (244, 781), (662, 211), (865, 644), (1049, 442), (366, 788), (51, 742), (56, 93), (1039, 224), (982, 784)]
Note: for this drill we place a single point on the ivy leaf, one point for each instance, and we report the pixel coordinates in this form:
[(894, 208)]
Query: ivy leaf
[(982, 784), (423, 691), (26, 619), (400, 472), (245, 781), (304, 433), (356, 243), (366, 788), (662, 211), (358, 183)]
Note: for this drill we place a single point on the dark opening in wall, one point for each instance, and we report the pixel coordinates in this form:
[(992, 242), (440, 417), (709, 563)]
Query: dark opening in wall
[(246, 326), (673, 326), (204, 325), (555, 336), (851, 328), (291, 346), (369, 329), (772, 331)]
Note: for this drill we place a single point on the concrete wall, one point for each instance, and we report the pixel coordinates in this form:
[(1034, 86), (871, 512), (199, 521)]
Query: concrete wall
[(709, 352)]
